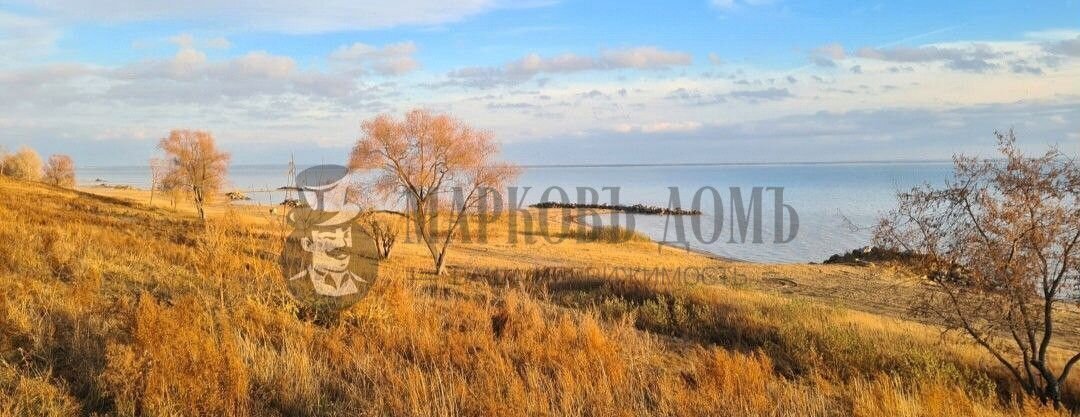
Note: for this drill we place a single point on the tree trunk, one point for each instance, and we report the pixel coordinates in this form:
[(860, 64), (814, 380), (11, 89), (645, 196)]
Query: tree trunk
[(440, 264), (428, 241), (1054, 392), (385, 247), (199, 204)]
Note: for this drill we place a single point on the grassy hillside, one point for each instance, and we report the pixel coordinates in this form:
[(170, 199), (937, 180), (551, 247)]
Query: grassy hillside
[(111, 307)]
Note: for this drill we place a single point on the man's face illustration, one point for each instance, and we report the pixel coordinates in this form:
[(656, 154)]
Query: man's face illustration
[(318, 258), (329, 248)]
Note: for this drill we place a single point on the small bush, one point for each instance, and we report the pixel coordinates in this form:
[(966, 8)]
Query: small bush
[(24, 165), (606, 234), (384, 230), (179, 359)]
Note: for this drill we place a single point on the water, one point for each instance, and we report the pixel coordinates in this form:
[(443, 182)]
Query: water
[(259, 182), (837, 204)]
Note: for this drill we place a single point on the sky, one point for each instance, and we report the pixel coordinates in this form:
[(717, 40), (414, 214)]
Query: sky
[(556, 81)]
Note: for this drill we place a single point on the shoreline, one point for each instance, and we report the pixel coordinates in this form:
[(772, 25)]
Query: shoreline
[(629, 209), (577, 219)]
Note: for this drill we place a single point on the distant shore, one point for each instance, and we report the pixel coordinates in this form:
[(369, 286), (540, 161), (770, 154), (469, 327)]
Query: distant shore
[(632, 209)]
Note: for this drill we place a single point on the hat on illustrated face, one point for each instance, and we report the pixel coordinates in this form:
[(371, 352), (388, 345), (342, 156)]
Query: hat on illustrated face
[(325, 188)]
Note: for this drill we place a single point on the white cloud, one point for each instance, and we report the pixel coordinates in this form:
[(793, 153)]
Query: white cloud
[(975, 57), (187, 62), (1052, 34), (23, 37), (186, 78), (183, 40), (279, 15), (392, 59), (768, 94), (699, 98), (641, 58), (187, 41), (1027, 58), (219, 42), (895, 131), (658, 127), (247, 96), (257, 64), (827, 55), (533, 64), (1069, 47), (645, 57)]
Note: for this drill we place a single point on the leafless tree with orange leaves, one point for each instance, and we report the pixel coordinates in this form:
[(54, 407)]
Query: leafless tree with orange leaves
[(442, 166), (195, 163), (1001, 246)]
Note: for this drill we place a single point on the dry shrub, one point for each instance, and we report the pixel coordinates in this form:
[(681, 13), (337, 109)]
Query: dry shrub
[(288, 379), (23, 165), (384, 229), (604, 234), (22, 395), (742, 380), (180, 360), (891, 396)]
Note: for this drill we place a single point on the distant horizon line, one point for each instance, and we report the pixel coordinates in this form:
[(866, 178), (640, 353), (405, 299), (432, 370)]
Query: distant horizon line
[(634, 165)]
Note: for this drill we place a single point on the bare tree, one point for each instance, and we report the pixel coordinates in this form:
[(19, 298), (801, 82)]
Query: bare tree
[(384, 231), (24, 165), (158, 169), (443, 167), (60, 171), (999, 243), (195, 164)]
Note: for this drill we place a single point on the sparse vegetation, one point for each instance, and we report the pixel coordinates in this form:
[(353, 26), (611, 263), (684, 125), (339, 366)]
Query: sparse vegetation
[(194, 165), (1002, 249), (165, 317), (442, 167), (159, 168), (23, 165), (60, 171), (383, 228), (237, 196), (604, 234)]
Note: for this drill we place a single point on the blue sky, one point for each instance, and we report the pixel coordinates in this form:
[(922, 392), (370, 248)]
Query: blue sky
[(556, 81)]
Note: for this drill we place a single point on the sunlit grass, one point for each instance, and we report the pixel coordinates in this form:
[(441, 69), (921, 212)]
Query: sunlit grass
[(112, 308)]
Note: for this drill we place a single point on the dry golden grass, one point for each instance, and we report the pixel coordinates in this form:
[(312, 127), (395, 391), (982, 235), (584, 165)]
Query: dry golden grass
[(108, 307)]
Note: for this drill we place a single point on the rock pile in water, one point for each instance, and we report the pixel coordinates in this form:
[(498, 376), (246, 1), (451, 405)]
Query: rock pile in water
[(633, 209), (866, 256)]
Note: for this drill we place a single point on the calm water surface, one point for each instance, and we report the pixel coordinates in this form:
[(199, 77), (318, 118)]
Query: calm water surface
[(836, 203)]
